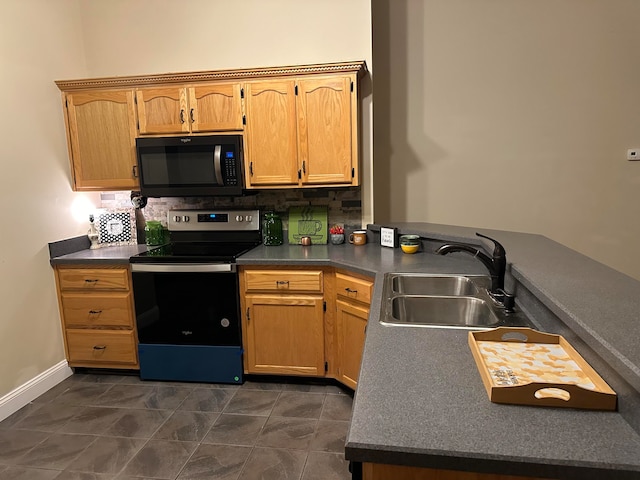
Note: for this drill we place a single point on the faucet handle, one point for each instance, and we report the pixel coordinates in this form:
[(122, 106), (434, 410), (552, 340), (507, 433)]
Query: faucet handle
[(498, 249)]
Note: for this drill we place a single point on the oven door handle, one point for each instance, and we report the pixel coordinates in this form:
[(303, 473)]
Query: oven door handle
[(184, 267)]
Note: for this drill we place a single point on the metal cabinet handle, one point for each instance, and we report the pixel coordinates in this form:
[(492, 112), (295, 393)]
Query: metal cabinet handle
[(99, 347), (304, 167), (282, 282), (191, 115), (248, 316), (90, 280), (94, 312), (134, 171), (251, 168), (181, 116), (351, 291)]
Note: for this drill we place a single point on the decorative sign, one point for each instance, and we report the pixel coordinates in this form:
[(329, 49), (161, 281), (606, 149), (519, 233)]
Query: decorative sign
[(308, 222), (116, 227), (389, 237)]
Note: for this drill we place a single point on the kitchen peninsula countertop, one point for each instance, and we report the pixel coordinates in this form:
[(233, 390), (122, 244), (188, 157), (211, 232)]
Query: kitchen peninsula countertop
[(420, 399)]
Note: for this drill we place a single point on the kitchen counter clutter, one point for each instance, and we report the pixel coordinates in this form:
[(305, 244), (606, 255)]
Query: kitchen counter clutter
[(420, 401)]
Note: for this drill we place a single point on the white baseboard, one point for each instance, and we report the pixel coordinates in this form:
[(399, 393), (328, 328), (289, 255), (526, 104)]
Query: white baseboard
[(29, 391)]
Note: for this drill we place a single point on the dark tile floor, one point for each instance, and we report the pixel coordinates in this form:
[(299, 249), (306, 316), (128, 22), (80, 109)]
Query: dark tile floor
[(116, 427)]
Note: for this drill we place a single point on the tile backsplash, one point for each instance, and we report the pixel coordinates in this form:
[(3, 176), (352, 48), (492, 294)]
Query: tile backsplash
[(344, 205)]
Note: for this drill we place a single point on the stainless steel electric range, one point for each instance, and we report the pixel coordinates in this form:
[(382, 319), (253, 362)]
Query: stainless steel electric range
[(187, 297)]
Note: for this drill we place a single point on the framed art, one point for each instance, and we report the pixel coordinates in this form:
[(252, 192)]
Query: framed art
[(116, 227)]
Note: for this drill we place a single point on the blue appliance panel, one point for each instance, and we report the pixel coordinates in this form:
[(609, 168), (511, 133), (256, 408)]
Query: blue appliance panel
[(191, 363)]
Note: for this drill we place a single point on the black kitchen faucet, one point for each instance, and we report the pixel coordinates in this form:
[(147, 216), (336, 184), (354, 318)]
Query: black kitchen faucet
[(496, 264)]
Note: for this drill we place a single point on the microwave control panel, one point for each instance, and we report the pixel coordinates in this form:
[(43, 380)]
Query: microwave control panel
[(230, 170)]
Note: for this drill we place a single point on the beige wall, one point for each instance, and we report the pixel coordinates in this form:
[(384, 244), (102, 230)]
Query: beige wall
[(512, 115), (40, 41)]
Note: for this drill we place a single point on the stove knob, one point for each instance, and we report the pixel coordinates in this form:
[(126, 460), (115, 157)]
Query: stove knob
[(185, 218), (176, 218), (239, 218)]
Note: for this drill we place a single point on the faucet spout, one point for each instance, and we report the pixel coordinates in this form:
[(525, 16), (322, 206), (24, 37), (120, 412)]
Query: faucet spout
[(496, 264)]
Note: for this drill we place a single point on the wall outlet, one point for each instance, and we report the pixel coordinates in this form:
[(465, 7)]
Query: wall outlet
[(389, 237), (633, 154)]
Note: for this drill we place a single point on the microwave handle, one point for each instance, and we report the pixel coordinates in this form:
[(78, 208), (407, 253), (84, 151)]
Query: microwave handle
[(217, 162)]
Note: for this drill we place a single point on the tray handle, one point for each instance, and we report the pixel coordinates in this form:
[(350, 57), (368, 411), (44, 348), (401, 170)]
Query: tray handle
[(515, 334), (554, 395)]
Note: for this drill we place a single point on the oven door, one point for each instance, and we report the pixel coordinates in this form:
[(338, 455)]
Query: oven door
[(188, 322)]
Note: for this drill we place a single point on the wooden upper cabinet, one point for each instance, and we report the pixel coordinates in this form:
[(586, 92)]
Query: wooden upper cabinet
[(301, 132), (270, 135), (101, 131), (325, 134), (162, 110), (215, 107), (191, 109)]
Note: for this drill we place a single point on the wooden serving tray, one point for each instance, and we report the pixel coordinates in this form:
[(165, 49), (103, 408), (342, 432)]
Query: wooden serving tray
[(526, 367)]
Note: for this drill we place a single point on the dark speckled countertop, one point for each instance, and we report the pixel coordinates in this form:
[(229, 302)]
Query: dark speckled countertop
[(420, 400)]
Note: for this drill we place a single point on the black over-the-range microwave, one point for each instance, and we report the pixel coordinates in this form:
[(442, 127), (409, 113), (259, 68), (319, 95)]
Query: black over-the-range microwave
[(190, 166)]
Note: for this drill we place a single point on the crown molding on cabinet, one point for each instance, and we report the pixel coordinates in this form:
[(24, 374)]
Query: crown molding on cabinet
[(359, 67)]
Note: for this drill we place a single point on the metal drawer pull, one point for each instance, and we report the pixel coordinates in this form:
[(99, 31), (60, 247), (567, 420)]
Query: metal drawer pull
[(351, 291), (181, 116), (89, 280), (99, 347), (282, 282), (94, 312)]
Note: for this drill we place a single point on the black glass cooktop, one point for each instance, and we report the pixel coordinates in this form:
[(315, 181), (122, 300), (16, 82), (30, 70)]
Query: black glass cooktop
[(185, 252)]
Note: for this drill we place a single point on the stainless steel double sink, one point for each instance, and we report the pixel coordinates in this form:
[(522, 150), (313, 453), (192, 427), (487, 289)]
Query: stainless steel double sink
[(446, 301)]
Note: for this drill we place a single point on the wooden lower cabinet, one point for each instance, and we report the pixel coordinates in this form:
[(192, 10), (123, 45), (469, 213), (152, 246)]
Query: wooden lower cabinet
[(285, 334), (353, 297), (96, 309), (351, 324), (304, 321), (378, 471)]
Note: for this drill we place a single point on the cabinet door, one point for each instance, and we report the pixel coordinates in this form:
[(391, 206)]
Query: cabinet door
[(162, 110), (325, 143), (351, 323), (271, 156), (102, 132), (285, 334), (215, 107)]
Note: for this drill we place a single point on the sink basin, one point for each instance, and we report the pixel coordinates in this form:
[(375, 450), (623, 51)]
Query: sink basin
[(419, 284), (460, 311), (443, 301)]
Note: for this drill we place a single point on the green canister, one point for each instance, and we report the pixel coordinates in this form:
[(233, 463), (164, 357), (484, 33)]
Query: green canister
[(154, 233), (271, 229)]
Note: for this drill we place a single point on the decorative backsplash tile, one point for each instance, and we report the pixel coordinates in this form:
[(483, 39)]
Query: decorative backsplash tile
[(344, 205)]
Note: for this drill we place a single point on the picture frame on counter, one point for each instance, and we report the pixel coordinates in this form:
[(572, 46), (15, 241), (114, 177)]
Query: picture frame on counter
[(389, 237), (116, 227)]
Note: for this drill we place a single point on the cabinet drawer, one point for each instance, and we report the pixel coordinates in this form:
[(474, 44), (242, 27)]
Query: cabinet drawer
[(354, 288), (93, 279), (283, 280), (97, 309), (101, 346)]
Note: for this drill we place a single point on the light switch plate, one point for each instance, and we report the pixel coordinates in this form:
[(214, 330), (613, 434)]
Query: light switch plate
[(389, 237)]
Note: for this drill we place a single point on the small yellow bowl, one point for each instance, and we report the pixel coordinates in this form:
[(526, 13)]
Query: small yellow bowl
[(409, 248)]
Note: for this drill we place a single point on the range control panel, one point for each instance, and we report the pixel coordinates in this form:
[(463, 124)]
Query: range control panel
[(213, 220)]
